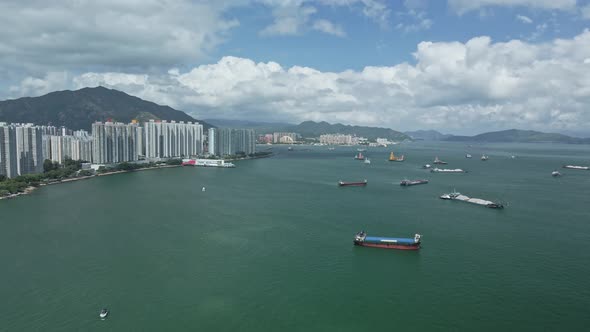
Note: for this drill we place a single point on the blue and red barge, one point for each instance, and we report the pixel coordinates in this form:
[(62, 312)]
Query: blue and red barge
[(361, 239)]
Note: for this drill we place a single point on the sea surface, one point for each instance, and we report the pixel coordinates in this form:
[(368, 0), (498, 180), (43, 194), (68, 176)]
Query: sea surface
[(268, 245)]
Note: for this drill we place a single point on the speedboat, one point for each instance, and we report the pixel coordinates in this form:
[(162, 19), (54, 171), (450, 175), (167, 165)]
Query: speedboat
[(555, 173), (104, 313)]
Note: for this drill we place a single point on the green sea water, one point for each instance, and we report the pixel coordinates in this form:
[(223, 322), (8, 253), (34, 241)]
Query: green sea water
[(268, 245)]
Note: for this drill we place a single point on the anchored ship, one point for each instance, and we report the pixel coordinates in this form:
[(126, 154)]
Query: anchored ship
[(439, 162), (361, 239), (357, 184), (456, 196), (447, 170), (576, 167), (392, 157), (407, 183)]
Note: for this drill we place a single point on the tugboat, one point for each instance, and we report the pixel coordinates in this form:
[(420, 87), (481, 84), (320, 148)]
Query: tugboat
[(392, 157), (361, 239), (359, 156), (439, 162), (555, 173), (104, 313), (406, 183), (356, 184)]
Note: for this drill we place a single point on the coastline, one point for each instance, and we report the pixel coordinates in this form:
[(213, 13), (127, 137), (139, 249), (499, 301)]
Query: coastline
[(30, 189)]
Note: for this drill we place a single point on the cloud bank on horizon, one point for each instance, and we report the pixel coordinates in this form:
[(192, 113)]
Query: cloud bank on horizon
[(209, 59)]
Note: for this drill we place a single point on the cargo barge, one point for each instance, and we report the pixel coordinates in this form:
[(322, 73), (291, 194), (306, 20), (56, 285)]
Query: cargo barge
[(353, 184), (455, 196), (361, 239), (584, 168), (447, 170), (406, 183)]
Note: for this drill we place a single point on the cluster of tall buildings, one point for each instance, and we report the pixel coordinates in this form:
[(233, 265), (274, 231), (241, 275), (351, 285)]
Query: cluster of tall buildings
[(338, 139), (115, 142), (24, 147), (64, 143), (20, 149), (173, 139), (228, 141)]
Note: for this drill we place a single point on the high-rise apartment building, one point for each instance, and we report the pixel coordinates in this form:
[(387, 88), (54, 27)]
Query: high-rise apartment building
[(336, 139), (172, 139), (114, 142), (29, 149), (8, 166), (228, 141), (212, 139)]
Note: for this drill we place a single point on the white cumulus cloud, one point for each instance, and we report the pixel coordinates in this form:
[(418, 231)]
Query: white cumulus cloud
[(466, 87), (328, 27)]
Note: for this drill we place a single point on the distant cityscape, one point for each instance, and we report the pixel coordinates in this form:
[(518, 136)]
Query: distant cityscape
[(25, 147)]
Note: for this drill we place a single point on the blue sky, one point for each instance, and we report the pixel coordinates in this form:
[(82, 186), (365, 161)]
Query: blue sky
[(461, 66), (367, 43)]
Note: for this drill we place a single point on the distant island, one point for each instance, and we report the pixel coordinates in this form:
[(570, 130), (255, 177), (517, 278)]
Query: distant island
[(504, 136), (80, 108)]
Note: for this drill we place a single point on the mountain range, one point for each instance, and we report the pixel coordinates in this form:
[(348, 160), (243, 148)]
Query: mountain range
[(427, 135), (519, 136), (80, 108), (503, 136)]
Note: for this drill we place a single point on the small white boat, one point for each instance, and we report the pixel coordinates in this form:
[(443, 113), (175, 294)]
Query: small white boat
[(203, 189), (484, 157), (367, 161), (427, 166), (468, 156), (104, 313), (555, 173)]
